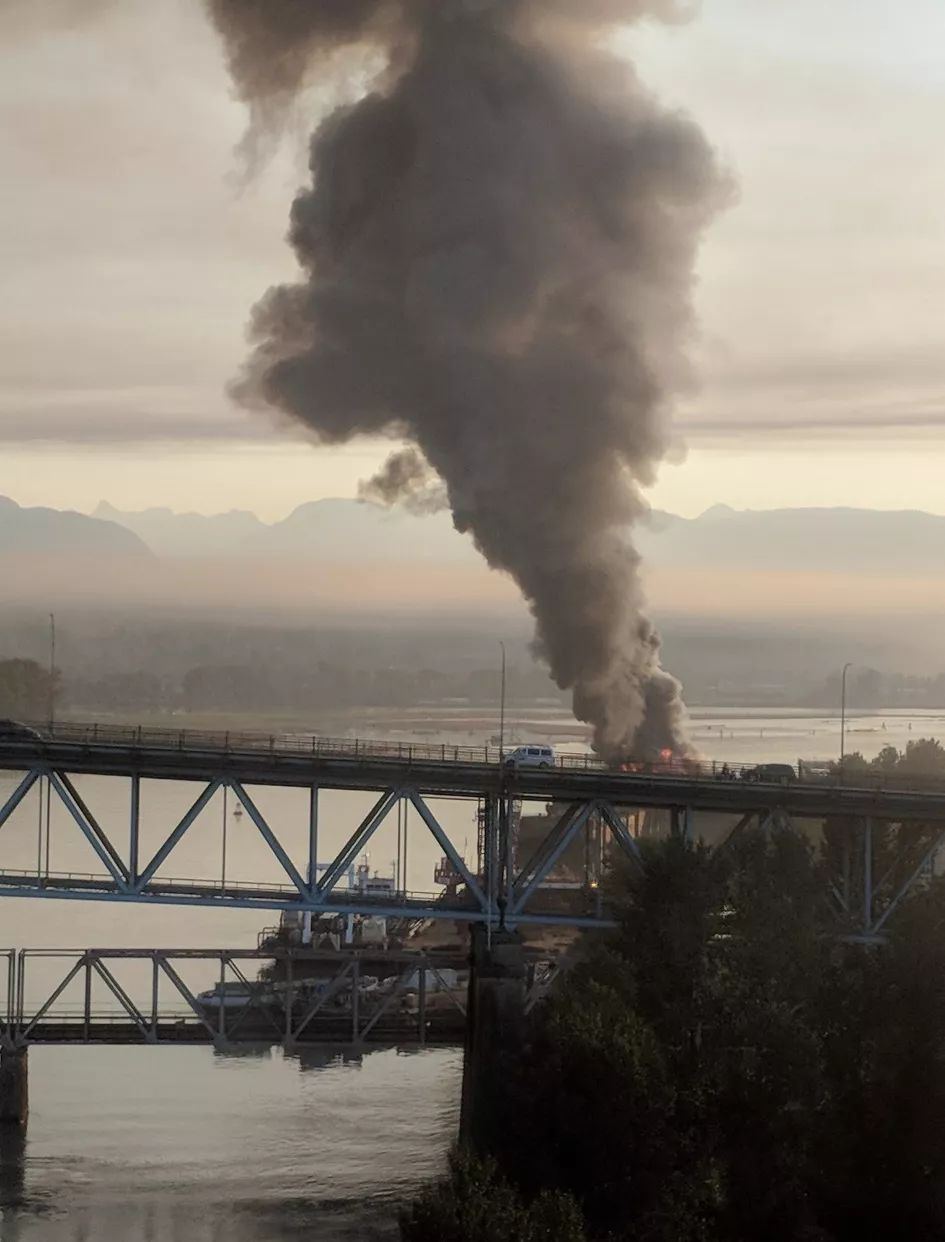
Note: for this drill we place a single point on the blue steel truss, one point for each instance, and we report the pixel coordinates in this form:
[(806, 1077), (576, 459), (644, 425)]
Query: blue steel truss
[(492, 892), (500, 888)]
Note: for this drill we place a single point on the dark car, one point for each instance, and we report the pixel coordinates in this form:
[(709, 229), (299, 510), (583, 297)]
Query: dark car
[(15, 731), (771, 773)]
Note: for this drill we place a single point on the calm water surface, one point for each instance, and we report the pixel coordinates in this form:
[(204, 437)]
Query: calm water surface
[(184, 1145)]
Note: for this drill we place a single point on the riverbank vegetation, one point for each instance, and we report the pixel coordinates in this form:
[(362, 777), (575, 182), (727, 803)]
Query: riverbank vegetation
[(722, 1068)]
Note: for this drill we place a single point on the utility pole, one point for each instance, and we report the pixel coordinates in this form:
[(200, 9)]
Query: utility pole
[(502, 706), (843, 714), (52, 668), (51, 713)]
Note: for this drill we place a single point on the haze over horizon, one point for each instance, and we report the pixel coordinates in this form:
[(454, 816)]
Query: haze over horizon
[(725, 565)]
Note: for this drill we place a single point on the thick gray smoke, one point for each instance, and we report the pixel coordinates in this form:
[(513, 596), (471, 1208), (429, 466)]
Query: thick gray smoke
[(497, 253), (406, 479)]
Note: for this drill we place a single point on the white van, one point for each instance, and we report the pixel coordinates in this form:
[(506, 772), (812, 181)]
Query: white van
[(531, 757)]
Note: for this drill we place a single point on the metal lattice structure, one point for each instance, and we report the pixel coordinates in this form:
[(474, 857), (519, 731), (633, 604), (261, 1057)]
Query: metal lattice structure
[(288, 997), (502, 886)]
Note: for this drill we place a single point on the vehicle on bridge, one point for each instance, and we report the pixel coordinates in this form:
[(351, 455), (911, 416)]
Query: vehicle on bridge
[(667, 763), (531, 757), (770, 773)]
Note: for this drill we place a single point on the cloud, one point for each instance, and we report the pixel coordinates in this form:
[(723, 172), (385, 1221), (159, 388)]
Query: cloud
[(89, 426), (129, 261), (22, 19), (782, 426)]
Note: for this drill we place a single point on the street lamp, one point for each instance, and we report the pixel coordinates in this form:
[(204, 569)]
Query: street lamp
[(843, 713), (52, 668), (502, 704)]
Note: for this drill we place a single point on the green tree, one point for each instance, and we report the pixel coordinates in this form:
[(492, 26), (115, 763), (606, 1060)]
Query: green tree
[(764, 1054), (25, 690), (608, 1101), (883, 1141), (475, 1204), (923, 757)]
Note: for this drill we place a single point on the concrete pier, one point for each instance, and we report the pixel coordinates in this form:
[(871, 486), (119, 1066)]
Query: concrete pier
[(495, 1029), (14, 1086)]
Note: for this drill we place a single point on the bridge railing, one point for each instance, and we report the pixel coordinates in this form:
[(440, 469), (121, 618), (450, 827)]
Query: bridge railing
[(130, 737), (202, 885)]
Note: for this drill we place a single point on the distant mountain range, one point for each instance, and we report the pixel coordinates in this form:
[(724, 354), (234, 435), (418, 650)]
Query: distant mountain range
[(851, 541), (817, 540), (56, 532), (870, 541), (322, 530)]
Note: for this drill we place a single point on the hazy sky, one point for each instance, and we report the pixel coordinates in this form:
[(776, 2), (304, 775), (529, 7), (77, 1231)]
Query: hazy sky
[(130, 259)]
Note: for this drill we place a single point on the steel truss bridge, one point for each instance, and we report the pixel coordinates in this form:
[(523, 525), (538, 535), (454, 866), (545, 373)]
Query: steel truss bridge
[(500, 888), (288, 997)]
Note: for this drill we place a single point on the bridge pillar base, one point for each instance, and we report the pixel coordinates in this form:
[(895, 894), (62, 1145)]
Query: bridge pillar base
[(14, 1086), (495, 1030)]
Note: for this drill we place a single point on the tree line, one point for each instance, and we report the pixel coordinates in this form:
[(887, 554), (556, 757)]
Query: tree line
[(27, 690), (24, 688), (870, 688)]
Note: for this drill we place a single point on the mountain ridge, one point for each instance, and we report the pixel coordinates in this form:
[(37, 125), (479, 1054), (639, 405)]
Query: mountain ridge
[(840, 539), (338, 530), (42, 530)]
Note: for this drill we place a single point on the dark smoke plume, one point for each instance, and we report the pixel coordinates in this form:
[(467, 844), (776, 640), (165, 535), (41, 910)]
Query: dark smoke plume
[(406, 479), (497, 254)]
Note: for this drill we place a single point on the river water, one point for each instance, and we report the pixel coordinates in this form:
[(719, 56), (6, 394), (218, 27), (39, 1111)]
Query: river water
[(184, 1145), (189, 1145)]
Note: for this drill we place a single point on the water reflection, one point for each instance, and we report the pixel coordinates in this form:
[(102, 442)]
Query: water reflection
[(323, 1056), (12, 1164), (206, 1222), (184, 1145)]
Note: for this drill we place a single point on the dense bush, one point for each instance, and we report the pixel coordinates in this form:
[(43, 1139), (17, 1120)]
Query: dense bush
[(475, 1202)]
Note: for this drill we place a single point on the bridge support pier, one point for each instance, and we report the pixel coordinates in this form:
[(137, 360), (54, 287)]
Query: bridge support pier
[(14, 1086), (495, 1029)]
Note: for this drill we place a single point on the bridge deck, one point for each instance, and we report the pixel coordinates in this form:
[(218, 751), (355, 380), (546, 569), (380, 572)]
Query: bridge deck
[(447, 771)]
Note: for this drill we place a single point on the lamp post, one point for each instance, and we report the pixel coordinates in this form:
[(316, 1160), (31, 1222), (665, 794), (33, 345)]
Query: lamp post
[(502, 705), (52, 668), (51, 713), (843, 713)]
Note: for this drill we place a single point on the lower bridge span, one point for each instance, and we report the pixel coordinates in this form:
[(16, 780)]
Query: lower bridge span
[(228, 997)]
